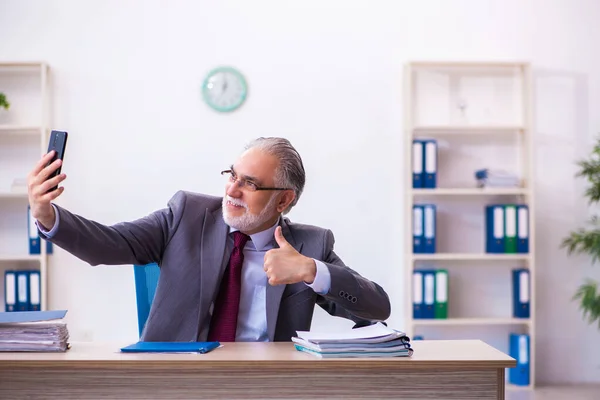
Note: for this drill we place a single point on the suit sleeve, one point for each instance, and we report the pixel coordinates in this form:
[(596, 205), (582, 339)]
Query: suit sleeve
[(351, 295), (141, 241)]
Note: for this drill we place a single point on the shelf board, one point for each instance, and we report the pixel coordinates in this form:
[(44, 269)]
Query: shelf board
[(472, 321), (468, 129), (26, 257), (23, 64), (469, 256), (20, 129), (467, 64), (15, 195), (470, 191)]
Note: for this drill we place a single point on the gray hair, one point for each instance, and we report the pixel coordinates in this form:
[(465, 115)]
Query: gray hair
[(290, 172)]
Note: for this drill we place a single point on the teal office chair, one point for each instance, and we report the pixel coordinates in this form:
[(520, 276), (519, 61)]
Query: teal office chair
[(146, 279)]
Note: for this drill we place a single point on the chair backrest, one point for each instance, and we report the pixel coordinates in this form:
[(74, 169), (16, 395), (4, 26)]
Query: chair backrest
[(146, 280)]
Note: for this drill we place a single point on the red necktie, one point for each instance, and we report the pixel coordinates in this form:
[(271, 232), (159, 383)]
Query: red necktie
[(224, 319)]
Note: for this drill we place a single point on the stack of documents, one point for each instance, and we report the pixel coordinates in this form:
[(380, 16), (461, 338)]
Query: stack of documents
[(42, 331), (496, 178), (370, 341)]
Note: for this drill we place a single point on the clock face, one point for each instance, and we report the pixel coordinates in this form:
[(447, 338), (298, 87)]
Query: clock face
[(224, 89)]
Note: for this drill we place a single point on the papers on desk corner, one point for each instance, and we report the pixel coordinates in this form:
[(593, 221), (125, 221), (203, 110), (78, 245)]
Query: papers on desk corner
[(370, 341), (43, 331)]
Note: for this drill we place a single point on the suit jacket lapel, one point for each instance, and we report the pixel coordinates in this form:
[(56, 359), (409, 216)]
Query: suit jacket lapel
[(214, 239), (274, 293)]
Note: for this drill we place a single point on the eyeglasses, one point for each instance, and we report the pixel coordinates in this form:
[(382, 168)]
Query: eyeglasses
[(249, 185)]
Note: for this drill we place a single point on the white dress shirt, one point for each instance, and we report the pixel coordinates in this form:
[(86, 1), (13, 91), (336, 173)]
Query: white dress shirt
[(252, 316)]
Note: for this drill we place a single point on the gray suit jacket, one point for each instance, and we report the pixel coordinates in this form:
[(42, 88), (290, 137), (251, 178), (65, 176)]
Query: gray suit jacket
[(187, 239)]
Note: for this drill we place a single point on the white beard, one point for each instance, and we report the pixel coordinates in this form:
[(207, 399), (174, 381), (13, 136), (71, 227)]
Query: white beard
[(247, 221)]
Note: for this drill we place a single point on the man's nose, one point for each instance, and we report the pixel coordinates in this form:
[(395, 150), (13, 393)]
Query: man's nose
[(233, 189)]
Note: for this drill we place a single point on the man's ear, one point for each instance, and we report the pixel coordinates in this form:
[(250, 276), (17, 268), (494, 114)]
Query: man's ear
[(285, 200)]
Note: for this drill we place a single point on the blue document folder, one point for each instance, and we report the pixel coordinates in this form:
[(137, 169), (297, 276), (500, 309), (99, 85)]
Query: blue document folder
[(171, 347), (521, 292), (31, 316), (519, 349)]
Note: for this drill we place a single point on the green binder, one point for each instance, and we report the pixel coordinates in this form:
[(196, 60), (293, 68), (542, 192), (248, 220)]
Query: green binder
[(510, 228), (441, 294)]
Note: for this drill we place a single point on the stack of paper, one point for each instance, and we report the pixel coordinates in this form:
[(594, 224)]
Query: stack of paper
[(496, 178), (370, 341), (33, 331)]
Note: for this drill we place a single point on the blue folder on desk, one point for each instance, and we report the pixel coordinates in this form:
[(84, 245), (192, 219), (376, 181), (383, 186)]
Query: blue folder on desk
[(30, 316), (171, 347)]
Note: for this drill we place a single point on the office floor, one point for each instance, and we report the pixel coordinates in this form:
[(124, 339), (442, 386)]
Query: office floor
[(579, 392)]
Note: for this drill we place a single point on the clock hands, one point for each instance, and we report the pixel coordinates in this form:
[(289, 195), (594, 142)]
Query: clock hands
[(224, 85)]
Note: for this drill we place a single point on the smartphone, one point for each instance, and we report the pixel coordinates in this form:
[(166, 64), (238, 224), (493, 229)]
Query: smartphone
[(58, 143)]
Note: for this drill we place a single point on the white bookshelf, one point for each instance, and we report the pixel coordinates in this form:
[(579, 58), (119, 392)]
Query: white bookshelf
[(468, 257), (24, 130), (483, 109), (472, 321), (470, 192)]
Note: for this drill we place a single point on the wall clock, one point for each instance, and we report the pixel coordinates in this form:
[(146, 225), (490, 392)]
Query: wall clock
[(224, 89)]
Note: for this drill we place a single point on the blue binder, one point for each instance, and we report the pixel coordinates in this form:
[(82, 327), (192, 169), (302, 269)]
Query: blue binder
[(10, 291), (32, 233), (417, 164), (29, 316), (431, 160), (418, 294), (417, 224), (522, 228), (429, 228), (521, 292), (170, 347), (519, 350), (22, 290), (428, 293), (494, 228)]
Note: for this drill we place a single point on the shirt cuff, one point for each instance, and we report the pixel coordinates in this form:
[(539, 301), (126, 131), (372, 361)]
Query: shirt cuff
[(52, 231), (322, 281)]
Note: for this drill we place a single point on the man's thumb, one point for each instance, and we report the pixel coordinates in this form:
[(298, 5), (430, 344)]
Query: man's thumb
[(280, 238)]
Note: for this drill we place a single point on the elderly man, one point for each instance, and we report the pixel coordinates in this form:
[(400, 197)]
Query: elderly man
[(232, 268)]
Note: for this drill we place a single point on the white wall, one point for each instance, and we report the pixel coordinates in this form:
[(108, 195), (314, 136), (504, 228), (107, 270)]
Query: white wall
[(327, 75)]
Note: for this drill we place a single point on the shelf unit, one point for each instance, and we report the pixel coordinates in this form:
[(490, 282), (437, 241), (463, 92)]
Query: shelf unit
[(441, 120), (24, 132)]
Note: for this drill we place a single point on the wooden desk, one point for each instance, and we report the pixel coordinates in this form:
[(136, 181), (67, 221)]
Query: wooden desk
[(438, 370)]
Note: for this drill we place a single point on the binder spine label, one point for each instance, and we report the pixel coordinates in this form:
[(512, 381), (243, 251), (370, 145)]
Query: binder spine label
[(511, 219), (441, 288), (498, 223), (523, 359), (429, 223), (430, 158), (429, 286), (523, 223), (524, 287), (417, 221), (10, 295), (32, 227), (418, 288), (417, 157), (34, 284)]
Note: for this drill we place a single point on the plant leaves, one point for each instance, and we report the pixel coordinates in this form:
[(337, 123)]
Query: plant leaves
[(586, 240), (589, 301)]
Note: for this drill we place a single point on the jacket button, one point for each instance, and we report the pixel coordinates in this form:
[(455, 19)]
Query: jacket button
[(354, 299), (342, 293)]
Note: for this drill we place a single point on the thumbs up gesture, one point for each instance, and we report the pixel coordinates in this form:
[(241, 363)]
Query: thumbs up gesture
[(285, 265)]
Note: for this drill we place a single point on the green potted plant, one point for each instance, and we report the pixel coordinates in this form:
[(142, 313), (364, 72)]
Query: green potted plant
[(3, 102), (586, 240)]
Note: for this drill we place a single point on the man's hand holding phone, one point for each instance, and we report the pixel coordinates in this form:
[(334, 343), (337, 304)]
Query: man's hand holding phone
[(38, 186)]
